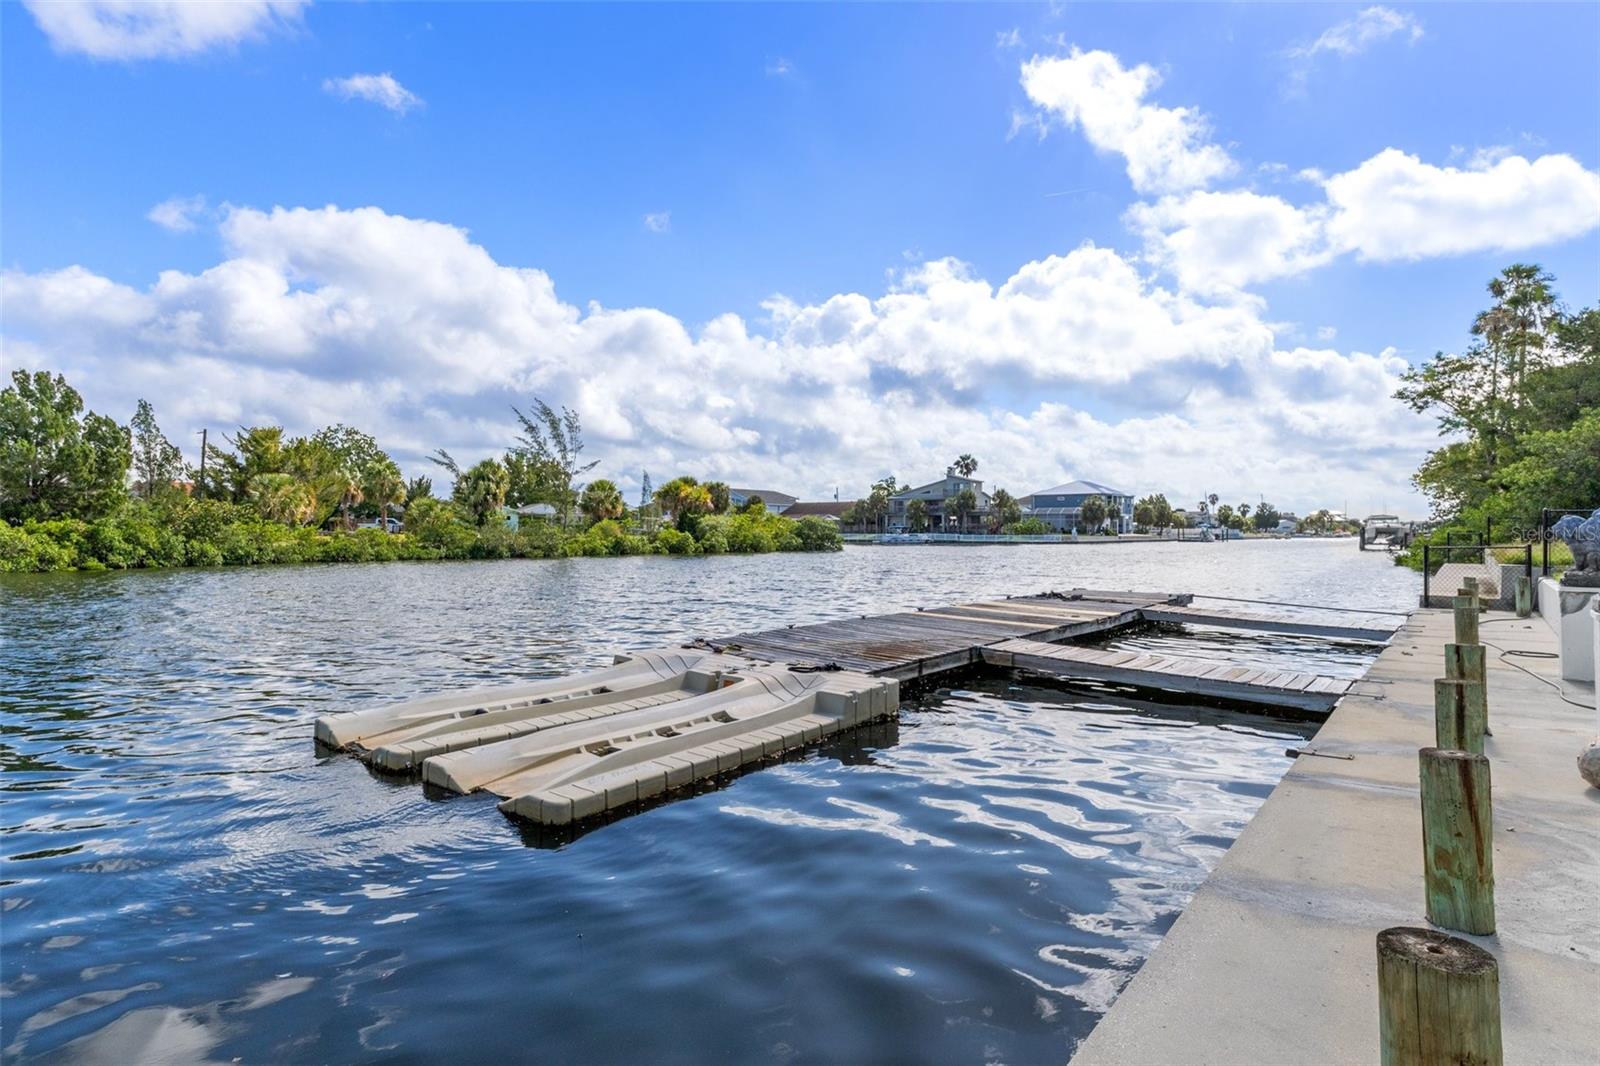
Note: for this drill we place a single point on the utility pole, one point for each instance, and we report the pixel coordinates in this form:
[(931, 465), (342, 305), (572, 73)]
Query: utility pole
[(200, 486)]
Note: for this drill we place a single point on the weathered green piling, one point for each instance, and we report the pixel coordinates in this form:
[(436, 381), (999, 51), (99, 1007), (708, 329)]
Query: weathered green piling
[(1466, 662), (1438, 1000), (1524, 596), (1457, 840), (1458, 713), (1466, 608)]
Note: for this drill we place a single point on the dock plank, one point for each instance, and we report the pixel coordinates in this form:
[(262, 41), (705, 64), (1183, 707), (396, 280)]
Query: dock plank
[(1201, 677)]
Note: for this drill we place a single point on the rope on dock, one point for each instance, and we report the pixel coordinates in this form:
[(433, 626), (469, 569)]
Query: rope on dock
[(1506, 656), (1308, 606)]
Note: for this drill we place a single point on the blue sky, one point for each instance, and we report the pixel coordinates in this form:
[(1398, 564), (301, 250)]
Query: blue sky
[(690, 162)]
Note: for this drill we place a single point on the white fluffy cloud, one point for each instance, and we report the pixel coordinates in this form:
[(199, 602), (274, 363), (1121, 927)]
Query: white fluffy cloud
[(1394, 206), (180, 214), (380, 89), (152, 29), (1390, 207), (409, 329), (1166, 148), (658, 221)]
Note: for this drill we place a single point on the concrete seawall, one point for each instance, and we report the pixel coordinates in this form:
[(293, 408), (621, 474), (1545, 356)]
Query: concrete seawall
[(1274, 960)]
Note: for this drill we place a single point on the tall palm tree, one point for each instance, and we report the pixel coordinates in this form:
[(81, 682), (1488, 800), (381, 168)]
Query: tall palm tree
[(966, 465), (386, 488), (483, 489), (350, 494), (602, 500)]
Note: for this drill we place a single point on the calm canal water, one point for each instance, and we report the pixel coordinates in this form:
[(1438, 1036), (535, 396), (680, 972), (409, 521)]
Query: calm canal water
[(185, 880)]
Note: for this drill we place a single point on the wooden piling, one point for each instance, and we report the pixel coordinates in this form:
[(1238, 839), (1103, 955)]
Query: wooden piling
[(1524, 596), (1458, 713), (1466, 608), (1466, 662), (1438, 1000), (1457, 840)]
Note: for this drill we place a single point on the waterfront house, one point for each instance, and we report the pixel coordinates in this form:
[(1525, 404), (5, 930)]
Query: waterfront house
[(777, 502), (935, 495), (515, 516), (1061, 506)]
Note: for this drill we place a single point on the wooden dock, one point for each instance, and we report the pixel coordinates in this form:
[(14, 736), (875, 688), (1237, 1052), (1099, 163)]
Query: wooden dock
[(1206, 616), (917, 643), (1200, 677)]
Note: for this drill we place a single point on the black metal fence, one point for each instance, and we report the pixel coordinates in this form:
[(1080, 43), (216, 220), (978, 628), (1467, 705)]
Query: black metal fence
[(1547, 518), (1496, 566)]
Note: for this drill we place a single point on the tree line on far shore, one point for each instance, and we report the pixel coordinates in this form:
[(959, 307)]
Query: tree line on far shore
[(78, 490)]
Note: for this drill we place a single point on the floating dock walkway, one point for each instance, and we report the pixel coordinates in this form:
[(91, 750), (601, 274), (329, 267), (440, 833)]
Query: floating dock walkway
[(566, 749)]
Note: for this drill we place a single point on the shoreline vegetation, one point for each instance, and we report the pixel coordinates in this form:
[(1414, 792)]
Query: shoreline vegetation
[(1521, 408), (78, 491)]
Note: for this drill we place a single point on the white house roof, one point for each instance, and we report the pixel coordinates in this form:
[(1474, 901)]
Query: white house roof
[(938, 485), (1082, 488)]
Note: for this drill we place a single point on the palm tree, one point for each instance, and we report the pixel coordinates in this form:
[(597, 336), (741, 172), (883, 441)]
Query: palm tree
[(419, 487), (683, 498), (483, 489), (965, 464), (1003, 510), (720, 496), (350, 494), (386, 488), (962, 503), (1093, 513), (917, 516), (601, 500), (283, 498)]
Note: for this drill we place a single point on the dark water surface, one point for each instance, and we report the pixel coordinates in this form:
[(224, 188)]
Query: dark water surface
[(185, 880)]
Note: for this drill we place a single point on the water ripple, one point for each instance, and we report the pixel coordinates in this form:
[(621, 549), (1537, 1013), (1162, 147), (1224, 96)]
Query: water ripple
[(185, 879)]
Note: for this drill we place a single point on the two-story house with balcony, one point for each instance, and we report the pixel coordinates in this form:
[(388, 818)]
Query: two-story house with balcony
[(1062, 506), (937, 496)]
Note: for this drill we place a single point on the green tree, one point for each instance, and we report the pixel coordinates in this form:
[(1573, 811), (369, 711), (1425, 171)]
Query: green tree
[(962, 503), (482, 490), (1144, 514), (966, 465), (1513, 400), (601, 501), (419, 488), (685, 499), (555, 441), (1267, 518), (157, 463), (1092, 515), (356, 451), (283, 498), (1004, 510), (54, 464), (917, 515), (384, 487), (1225, 516), (720, 498)]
